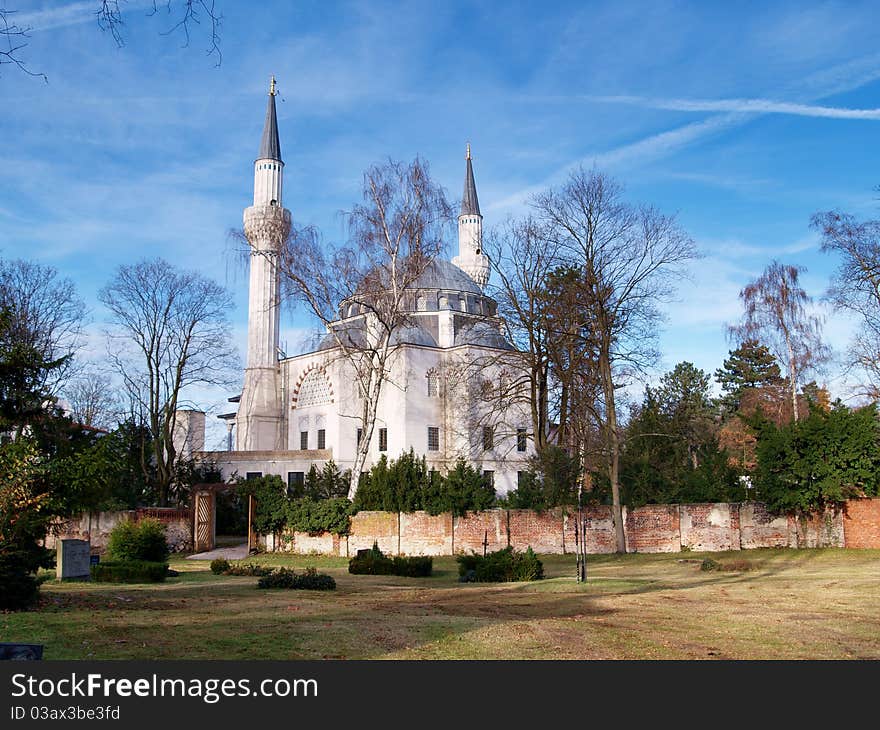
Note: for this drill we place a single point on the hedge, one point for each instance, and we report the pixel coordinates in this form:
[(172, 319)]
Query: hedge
[(133, 571)]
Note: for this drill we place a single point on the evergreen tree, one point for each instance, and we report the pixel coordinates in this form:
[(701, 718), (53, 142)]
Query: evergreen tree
[(751, 365)]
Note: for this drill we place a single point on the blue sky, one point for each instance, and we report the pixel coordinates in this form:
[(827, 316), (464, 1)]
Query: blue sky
[(743, 119)]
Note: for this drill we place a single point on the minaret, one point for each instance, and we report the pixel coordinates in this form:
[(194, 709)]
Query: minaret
[(266, 225), (471, 258)]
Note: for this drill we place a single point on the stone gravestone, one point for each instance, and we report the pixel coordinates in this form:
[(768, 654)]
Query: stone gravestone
[(73, 559)]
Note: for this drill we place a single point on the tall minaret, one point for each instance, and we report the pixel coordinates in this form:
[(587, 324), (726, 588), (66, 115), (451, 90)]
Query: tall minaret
[(471, 258), (266, 225)]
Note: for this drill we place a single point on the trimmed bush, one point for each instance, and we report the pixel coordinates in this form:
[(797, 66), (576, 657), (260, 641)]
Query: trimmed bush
[(375, 562), (413, 567), (143, 540), (310, 580), (219, 566), (502, 566), (248, 569), (132, 571)]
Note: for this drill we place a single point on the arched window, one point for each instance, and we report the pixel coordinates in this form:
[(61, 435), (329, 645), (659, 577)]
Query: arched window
[(314, 390)]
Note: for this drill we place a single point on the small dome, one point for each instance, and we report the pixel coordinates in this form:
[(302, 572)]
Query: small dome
[(482, 334), (352, 336)]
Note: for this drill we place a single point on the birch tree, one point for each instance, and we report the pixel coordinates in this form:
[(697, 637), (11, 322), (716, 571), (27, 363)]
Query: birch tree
[(169, 331), (776, 313), (362, 292)]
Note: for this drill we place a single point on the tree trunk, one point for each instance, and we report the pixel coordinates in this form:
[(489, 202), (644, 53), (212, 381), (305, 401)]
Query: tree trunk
[(612, 441)]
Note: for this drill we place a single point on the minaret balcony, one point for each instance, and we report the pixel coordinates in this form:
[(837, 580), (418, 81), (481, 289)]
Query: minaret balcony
[(266, 223)]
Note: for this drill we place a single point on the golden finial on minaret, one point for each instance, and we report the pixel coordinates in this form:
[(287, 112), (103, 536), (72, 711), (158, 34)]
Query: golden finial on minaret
[(468, 155), (272, 87)]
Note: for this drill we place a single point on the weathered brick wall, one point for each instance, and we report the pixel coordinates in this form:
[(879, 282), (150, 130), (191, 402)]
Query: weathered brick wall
[(654, 528), (379, 527), (758, 528), (470, 531), (543, 532), (599, 529), (861, 523), (96, 526), (424, 534), (709, 527), (816, 531), (324, 543)]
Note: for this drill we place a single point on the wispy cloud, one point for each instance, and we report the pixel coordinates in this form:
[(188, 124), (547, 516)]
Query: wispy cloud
[(67, 15), (743, 106)]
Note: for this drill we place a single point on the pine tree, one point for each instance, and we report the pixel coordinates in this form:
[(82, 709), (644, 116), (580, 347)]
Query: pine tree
[(751, 365)]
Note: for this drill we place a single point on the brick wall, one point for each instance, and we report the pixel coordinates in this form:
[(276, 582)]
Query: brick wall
[(816, 531), (382, 528), (470, 531), (654, 528), (96, 526), (709, 527), (543, 532), (424, 534), (758, 528), (599, 529), (861, 523)]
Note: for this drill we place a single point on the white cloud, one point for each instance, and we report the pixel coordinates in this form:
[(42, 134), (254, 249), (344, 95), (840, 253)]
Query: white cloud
[(741, 106)]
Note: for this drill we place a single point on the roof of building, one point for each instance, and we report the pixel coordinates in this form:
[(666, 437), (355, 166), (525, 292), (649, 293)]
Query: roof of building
[(469, 203), (270, 146), (481, 334), (442, 274)]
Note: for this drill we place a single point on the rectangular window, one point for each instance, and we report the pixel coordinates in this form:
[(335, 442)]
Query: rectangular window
[(489, 478), (488, 437), (322, 438), (433, 438), (304, 440), (253, 475), (520, 479), (295, 482), (433, 386), (383, 439), (520, 439)]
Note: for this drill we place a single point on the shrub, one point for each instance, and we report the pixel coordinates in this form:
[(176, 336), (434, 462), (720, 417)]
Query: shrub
[(219, 566), (415, 566), (316, 516), (131, 571), (709, 564), (248, 569), (310, 580), (143, 540), (502, 566), (375, 562)]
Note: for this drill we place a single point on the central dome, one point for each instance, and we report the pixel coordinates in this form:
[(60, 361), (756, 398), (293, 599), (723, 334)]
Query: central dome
[(441, 274)]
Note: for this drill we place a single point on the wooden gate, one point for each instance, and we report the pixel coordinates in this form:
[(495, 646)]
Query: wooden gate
[(203, 515)]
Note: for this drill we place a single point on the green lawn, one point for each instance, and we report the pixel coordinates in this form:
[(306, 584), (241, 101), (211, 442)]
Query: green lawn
[(767, 604)]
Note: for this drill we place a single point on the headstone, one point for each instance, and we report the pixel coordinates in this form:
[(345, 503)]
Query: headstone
[(73, 559)]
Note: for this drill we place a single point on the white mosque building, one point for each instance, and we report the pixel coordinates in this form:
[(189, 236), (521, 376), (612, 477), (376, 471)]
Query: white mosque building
[(297, 411)]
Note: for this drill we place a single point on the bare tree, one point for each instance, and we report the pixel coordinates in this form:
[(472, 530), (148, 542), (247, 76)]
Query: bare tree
[(181, 18), (855, 288), (363, 292), (45, 314), (92, 400), (522, 260), (776, 314), (629, 258), (170, 331)]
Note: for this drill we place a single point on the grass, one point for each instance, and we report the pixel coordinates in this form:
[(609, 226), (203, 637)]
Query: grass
[(764, 604)]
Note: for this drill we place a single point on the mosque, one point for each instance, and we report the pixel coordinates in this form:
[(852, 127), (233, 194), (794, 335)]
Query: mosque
[(297, 411)]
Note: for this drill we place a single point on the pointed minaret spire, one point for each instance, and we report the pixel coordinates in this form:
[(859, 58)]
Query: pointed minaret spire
[(270, 147), (469, 203), (471, 258)]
